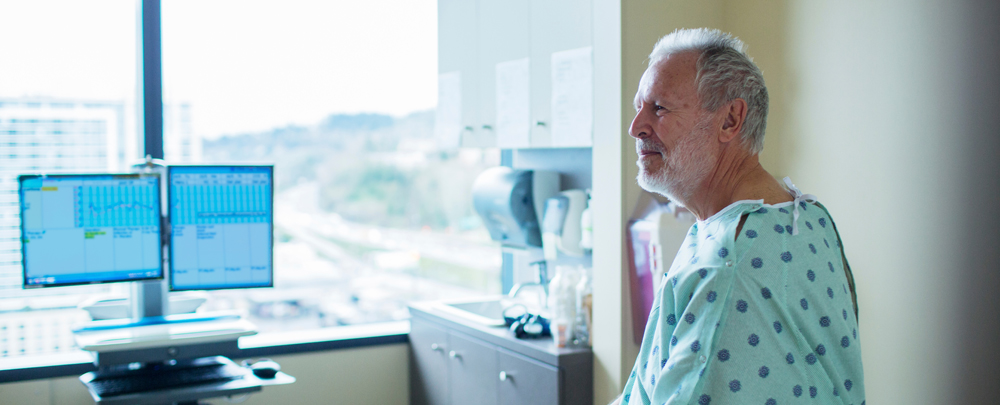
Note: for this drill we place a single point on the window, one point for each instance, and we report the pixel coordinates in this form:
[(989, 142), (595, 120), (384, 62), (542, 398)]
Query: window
[(67, 103), (339, 96)]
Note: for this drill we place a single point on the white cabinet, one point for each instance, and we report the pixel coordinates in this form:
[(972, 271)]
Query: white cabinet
[(475, 35), (458, 48)]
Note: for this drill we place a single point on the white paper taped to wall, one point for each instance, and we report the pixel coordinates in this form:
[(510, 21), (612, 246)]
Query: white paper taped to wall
[(513, 114), (572, 98), (448, 115)]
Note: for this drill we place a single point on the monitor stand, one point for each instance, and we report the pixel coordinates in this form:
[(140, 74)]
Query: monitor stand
[(149, 306)]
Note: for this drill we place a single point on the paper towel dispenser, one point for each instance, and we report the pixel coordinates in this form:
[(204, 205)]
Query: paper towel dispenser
[(510, 201)]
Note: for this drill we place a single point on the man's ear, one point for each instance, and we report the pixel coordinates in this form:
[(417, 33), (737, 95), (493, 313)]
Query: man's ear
[(736, 114)]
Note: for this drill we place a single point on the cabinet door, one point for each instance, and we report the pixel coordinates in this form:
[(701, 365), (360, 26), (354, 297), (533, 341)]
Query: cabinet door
[(428, 364), (524, 381), (556, 25), (472, 366), (503, 36), (458, 50)]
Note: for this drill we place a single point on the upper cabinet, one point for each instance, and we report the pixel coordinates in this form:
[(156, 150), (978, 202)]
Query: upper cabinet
[(499, 53)]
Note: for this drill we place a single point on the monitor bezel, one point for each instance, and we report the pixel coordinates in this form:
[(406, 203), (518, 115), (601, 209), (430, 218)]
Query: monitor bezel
[(169, 226), (24, 257)]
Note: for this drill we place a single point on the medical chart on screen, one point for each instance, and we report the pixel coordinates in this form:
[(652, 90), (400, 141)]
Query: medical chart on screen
[(90, 229), (220, 227)]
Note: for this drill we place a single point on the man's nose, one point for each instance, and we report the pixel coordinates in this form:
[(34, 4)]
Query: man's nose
[(639, 128)]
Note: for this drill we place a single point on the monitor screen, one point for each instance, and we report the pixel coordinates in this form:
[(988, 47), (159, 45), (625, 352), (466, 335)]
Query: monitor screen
[(220, 227), (83, 229)]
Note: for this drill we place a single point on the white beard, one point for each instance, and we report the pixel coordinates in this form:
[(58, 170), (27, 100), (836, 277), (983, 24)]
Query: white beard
[(683, 168)]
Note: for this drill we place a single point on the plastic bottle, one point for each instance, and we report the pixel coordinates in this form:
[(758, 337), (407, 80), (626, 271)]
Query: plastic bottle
[(562, 303), (584, 309)]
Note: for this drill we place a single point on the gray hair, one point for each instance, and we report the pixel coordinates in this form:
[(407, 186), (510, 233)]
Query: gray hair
[(724, 73)]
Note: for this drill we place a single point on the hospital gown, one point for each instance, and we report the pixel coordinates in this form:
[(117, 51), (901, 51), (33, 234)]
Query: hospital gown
[(766, 318)]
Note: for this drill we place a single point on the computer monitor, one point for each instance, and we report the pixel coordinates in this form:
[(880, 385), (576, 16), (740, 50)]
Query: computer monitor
[(220, 227), (90, 228)]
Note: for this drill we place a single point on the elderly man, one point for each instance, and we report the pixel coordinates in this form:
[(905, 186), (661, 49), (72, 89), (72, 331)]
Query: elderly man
[(758, 306)]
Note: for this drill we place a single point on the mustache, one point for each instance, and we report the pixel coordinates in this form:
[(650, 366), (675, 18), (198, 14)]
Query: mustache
[(641, 145)]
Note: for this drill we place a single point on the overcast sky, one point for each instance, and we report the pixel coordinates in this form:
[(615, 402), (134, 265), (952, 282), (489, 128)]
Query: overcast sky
[(242, 65)]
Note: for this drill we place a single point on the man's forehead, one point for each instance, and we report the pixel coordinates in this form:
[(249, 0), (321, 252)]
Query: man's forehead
[(673, 75)]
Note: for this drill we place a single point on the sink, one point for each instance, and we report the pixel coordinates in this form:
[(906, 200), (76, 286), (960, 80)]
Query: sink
[(484, 311)]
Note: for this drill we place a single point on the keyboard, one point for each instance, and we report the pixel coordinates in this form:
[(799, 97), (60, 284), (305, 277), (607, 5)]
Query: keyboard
[(190, 373)]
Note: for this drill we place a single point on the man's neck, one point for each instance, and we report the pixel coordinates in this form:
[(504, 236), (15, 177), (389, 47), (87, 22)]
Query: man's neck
[(742, 178)]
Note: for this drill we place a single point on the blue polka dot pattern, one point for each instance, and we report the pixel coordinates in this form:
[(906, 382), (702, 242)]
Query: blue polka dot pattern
[(777, 327), (627, 396), (812, 392), (762, 211), (671, 320), (704, 400), (763, 372), (656, 349), (848, 384), (790, 359), (811, 358), (797, 391), (822, 222), (741, 306), (771, 401), (674, 281), (723, 355), (855, 332), (751, 233), (696, 346), (836, 392), (804, 303), (829, 291), (826, 243), (766, 293), (803, 205), (711, 296), (812, 248), (779, 229), (735, 385), (821, 350), (673, 340), (831, 266), (844, 342), (824, 321), (753, 340), (723, 252), (645, 365), (788, 228), (808, 225), (663, 363), (811, 275), (703, 273), (782, 210), (845, 314), (652, 380), (786, 257), (689, 318), (757, 262)]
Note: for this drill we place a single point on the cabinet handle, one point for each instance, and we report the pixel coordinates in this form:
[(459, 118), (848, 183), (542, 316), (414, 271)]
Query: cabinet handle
[(469, 128), (504, 376), (487, 127), (437, 348), (540, 123), (455, 355)]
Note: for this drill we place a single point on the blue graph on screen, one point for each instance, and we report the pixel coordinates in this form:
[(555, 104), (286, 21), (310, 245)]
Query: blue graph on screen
[(221, 233), (111, 205)]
